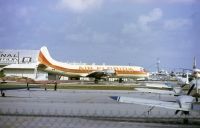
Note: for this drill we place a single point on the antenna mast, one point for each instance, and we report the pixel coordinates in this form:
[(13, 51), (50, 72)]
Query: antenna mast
[(158, 65)]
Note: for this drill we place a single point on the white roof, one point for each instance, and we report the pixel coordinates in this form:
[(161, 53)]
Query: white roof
[(21, 66)]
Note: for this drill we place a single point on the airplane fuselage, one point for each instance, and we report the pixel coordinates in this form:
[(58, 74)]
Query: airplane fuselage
[(84, 70)]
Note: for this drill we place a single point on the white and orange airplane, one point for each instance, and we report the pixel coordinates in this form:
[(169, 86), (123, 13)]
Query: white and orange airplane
[(48, 64)]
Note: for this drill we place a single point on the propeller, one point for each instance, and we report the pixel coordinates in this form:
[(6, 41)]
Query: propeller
[(190, 90)]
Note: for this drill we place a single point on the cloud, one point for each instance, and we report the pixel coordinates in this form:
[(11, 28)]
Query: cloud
[(78, 6), (144, 21), (154, 15), (177, 24), (149, 22)]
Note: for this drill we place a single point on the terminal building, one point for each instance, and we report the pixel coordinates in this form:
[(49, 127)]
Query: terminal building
[(22, 63)]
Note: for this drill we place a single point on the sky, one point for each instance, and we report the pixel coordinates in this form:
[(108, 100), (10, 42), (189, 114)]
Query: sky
[(113, 32)]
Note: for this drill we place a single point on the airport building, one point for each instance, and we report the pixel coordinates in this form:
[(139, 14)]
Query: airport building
[(21, 63), (17, 57)]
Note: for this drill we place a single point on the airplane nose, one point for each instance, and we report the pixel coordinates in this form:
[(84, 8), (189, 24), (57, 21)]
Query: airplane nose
[(114, 97)]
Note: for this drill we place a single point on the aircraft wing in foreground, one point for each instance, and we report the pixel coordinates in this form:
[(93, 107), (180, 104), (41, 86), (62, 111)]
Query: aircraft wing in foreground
[(183, 103)]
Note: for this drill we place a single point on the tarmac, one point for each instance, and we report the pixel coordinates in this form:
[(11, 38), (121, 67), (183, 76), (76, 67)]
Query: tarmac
[(88, 106)]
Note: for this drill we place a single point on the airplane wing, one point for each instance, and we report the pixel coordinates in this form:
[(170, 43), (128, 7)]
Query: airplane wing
[(149, 102), (147, 90), (5, 87), (156, 85), (101, 73), (16, 88)]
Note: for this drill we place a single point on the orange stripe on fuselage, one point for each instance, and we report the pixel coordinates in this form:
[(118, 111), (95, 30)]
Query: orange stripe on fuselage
[(44, 61)]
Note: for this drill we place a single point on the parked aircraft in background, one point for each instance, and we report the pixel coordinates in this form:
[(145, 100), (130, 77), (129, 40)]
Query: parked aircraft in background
[(196, 71), (46, 63), (183, 80), (194, 82)]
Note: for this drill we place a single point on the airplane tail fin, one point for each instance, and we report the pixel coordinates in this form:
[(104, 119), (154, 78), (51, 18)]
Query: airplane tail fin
[(44, 56)]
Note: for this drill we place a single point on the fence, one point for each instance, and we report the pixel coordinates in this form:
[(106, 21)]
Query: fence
[(96, 113), (94, 119)]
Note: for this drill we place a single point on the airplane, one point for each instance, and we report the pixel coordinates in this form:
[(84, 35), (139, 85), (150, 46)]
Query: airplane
[(194, 82), (48, 64), (196, 71), (4, 86), (166, 87), (74, 71), (24, 80), (184, 79)]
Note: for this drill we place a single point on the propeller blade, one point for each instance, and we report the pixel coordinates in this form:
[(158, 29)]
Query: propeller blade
[(190, 90)]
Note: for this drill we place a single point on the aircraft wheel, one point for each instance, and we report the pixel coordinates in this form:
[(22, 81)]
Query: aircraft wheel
[(120, 80)]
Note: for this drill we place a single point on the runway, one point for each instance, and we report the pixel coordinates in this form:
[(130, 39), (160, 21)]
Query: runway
[(80, 103)]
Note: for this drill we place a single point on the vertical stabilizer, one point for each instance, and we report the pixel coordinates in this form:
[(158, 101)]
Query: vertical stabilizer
[(44, 56)]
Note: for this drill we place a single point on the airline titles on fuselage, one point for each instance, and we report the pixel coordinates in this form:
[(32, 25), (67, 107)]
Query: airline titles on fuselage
[(109, 68)]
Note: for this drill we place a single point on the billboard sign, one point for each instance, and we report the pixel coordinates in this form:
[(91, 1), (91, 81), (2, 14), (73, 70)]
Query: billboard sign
[(18, 56)]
